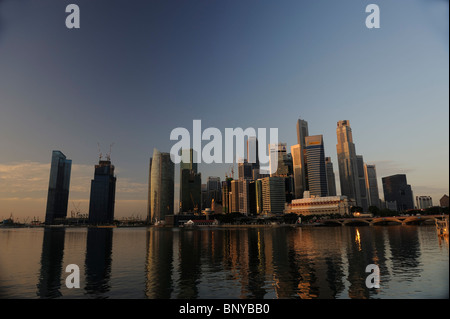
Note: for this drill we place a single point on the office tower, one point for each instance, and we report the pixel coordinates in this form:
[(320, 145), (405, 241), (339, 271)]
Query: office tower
[(348, 166), (284, 160), (190, 182), (362, 183), (252, 152), (234, 196), (331, 180), (298, 165), (58, 188), (245, 170), (396, 189), (302, 132), (258, 196), (424, 202), (191, 191), (103, 194), (370, 175), (315, 159), (162, 186), (213, 190), (226, 189), (149, 194), (273, 195)]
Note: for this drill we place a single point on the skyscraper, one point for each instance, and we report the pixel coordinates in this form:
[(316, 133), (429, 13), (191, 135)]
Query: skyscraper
[(103, 194), (299, 159), (190, 183), (362, 183), (234, 196), (396, 189), (162, 186), (315, 159), (331, 179), (370, 175), (149, 194), (58, 187), (348, 166), (273, 195)]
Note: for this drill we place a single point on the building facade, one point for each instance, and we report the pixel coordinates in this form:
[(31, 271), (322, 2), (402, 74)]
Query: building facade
[(331, 179), (58, 188), (273, 195), (347, 163), (321, 206), (370, 175), (315, 162), (103, 194), (396, 189), (162, 186), (423, 202)]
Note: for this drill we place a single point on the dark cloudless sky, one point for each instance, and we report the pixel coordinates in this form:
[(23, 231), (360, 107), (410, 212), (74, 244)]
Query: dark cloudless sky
[(135, 70)]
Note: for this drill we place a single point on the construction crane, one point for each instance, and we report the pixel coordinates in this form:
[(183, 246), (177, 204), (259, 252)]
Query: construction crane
[(108, 155)]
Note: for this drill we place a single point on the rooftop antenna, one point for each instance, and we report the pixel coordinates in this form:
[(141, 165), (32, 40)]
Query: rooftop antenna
[(108, 156)]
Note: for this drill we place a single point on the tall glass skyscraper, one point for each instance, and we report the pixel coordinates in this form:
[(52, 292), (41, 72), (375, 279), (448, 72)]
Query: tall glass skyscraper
[(396, 189), (190, 183), (370, 175), (103, 194), (315, 159), (348, 166), (331, 179), (58, 187), (299, 159), (162, 186)]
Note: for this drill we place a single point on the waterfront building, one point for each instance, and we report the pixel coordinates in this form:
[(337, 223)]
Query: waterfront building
[(234, 196), (149, 193), (396, 189), (444, 201), (103, 194), (347, 162), (258, 196), (331, 179), (58, 188), (226, 189), (321, 205), (362, 183), (424, 202), (370, 175), (315, 162), (245, 170), (298, 168), (162, 186), (273, 195), (190, 182), (284, 160)]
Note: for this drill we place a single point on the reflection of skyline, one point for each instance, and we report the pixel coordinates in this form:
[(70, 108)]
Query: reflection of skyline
[(245, 263)]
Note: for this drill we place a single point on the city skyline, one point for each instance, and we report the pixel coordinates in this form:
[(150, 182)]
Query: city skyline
[(227, 67)]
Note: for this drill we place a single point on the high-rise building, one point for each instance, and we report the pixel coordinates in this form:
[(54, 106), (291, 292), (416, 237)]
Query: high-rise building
[(252, 152), (396, 189), (424, 202), (245, 170), (273, 195), (284, 165), (315, 159), (299, 159), (149, 194), (103, 194), (190, 182), (234, 196), (331, 179), (226, 189), (258, 195), (347, 162), (162, 186), (58, 188), (444, 201), (362, 183), (370, 175)]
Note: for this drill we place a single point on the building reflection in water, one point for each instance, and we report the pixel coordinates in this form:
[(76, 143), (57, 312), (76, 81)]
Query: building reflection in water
[(98, 261), (275, 262), (51, 263), (159, 263)]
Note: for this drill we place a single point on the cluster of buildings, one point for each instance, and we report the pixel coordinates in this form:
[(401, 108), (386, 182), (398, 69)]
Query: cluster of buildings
[(302, 182)]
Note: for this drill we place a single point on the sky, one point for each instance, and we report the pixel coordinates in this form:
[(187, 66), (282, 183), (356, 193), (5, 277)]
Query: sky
[(136, 70)]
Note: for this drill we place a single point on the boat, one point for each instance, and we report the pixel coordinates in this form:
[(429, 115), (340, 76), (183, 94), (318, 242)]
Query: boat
[(442, 227)]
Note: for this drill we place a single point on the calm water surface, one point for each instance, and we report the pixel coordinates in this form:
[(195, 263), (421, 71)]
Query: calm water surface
[(263, 262)]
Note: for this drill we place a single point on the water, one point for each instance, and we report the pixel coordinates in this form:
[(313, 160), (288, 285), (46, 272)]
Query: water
[(248, 263)]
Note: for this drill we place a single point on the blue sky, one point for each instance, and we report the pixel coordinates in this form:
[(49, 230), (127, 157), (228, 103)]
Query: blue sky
[(135, 70)]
